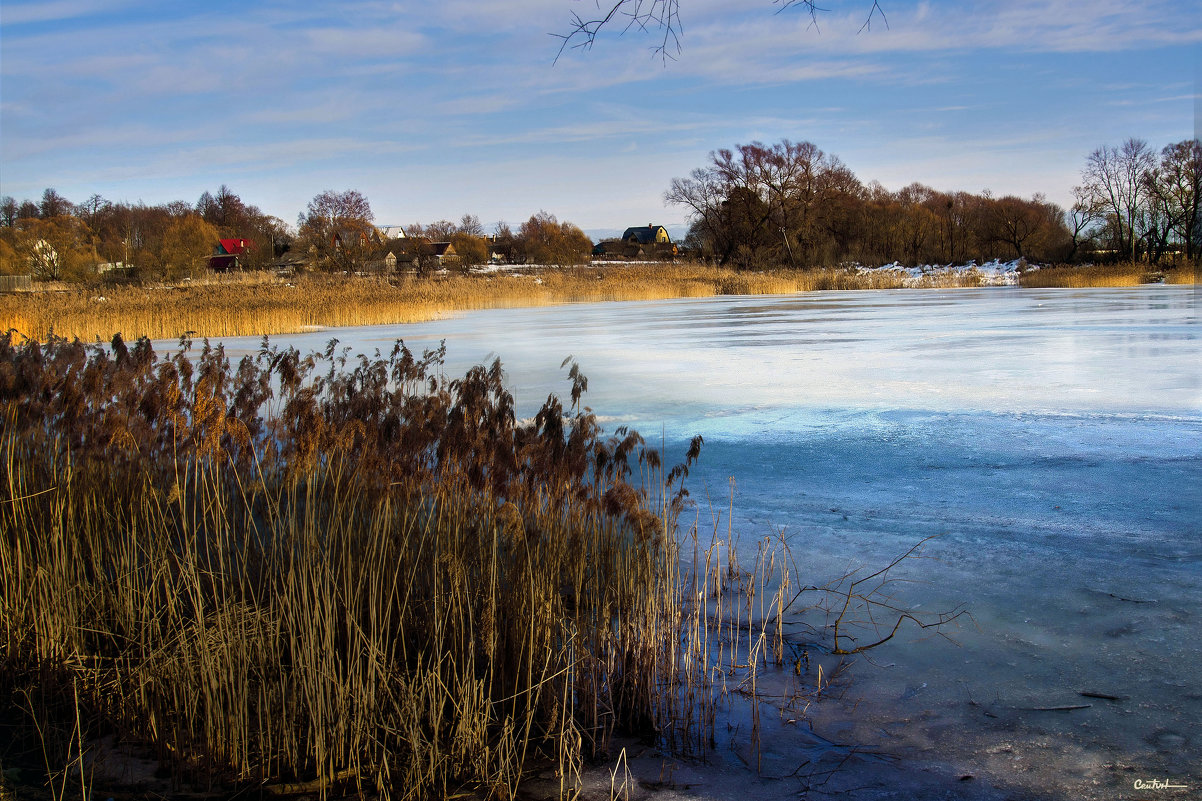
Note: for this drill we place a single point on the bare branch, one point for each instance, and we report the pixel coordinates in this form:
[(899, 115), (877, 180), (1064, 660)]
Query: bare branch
[(876, 9), (664, 16), (640, 15)]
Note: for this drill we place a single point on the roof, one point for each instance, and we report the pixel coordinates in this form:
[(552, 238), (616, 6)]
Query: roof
[(391, 232), (645, 234), (235, 247)]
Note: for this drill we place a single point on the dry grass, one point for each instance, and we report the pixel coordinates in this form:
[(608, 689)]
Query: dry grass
[(259, 305), (386, 584), (1106, 275), (1183, 274), (316, 574)]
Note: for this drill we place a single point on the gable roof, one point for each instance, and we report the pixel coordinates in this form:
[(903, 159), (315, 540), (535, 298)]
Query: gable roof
[(235, 247), (646, 234)]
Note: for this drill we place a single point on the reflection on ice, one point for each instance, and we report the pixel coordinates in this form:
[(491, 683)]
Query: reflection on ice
[(1052, 439)]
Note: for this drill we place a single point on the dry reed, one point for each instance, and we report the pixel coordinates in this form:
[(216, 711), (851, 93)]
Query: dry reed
[(1106, 275), (260, 305), (322, 573)]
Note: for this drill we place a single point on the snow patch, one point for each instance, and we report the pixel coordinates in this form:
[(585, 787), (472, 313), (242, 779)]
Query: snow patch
[(991, 273)]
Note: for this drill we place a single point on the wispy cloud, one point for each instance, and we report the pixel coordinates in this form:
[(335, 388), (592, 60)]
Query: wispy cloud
[(390, 93), (38, 11)]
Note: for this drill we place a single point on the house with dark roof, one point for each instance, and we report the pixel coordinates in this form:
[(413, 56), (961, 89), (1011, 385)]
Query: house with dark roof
[(351, 237), (410, 253), (647, 235), (444, 252), (638, 242), (228, 254)]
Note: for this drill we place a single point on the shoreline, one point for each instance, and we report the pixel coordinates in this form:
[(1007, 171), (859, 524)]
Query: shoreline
[(264, 304)]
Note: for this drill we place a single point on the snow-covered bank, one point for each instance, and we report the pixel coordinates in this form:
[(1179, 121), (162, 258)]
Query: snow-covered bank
[(992, 273)]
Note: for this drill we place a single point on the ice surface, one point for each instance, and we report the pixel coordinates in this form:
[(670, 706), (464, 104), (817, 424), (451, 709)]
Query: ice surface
[(1051, 438)]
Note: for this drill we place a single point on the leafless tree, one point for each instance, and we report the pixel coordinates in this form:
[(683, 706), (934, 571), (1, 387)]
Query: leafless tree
[(1116, 180), (54, 205), (543, 239), (766, 200), (470, 224), (338, 227), (8, 211), (1080, 218), (1016, 222), (662, 17), (1174, 189)]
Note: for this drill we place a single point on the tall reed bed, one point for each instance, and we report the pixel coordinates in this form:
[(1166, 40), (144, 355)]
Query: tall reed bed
[(320, 573), (328, 573), (227, 307), (1107, 275), (294, 575)]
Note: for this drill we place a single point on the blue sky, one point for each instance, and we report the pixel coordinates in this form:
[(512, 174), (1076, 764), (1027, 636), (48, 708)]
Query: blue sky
[(435, 110)]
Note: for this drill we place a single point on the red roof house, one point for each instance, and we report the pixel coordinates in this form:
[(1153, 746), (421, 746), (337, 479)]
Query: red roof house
[(226, 256)]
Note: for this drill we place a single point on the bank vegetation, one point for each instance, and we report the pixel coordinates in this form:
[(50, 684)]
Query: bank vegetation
[(335, 574), (257, 304)]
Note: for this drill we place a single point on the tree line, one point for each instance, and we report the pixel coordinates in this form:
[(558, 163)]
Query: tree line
[(58, 240), (55, 239), (791, 204), (752, 206)]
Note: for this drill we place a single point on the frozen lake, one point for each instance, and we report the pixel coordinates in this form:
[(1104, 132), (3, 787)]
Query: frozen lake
[(1052, 438)]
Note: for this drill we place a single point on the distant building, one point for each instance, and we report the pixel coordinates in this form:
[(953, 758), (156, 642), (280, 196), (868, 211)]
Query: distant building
[(351, 237), (228, 254), (444, 252), (638, 242), (647, 235), (387, 232), (410, 253)]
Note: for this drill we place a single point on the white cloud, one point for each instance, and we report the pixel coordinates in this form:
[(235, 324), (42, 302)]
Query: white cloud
[(313, 94), (24, 13)]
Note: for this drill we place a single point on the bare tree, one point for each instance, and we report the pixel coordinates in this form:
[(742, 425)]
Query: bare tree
[(440, 230), (337, 226), (662, 17), (470, 224), (1174, 189), (1115, 178), (54, 205), (545, 240), (1017, 222), (1080, 218), (8, 211), (759, 203)]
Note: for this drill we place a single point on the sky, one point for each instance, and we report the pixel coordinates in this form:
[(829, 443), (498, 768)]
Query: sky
[(434, 110)]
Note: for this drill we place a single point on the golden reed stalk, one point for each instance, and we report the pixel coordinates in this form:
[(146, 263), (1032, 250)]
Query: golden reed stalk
[(261, 304)]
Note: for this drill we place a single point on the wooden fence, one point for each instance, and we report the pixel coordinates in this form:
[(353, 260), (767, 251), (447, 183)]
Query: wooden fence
[(16, 283)]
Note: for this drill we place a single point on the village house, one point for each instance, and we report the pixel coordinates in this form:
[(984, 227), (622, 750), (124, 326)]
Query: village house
[(398, 252), (445, 253), (229, 254), (638, 242), (350, 238), (390, 232), (410, 253), (647, 235)]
